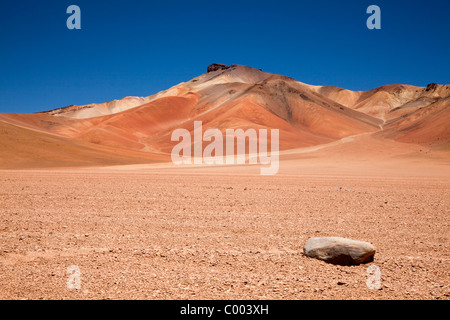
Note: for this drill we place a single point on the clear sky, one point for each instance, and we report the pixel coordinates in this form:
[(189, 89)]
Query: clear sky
[(141, 47)]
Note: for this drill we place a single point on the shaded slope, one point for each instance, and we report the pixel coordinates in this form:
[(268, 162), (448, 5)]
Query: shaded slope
[(428, 125)]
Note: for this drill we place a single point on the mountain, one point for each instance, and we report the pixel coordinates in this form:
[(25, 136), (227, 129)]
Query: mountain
[(138, 129)]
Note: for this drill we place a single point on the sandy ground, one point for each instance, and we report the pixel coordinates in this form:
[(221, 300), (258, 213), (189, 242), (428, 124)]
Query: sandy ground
[(149, 232)]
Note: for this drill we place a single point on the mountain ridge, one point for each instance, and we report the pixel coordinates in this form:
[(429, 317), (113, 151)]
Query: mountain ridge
[(244, 97)]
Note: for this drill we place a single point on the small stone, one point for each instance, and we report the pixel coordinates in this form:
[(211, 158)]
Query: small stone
[(340, 251)]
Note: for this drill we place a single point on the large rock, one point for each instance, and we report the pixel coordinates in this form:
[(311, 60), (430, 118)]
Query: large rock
[(341, 251), (217, 66)]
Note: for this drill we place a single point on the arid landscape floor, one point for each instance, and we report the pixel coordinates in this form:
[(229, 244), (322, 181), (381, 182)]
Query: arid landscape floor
[(221, 233)]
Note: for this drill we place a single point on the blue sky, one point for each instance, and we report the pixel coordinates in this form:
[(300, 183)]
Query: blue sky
[(142, 47)]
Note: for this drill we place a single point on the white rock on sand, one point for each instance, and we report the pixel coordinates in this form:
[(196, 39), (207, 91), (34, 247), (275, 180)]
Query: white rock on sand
[(341, 251)]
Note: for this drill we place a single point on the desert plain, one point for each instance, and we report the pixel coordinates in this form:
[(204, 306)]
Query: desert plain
[(163, 232)]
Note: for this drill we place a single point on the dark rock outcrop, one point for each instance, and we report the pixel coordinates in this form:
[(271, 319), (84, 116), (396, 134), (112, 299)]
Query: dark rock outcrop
[(217, 66), (431, 87)]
